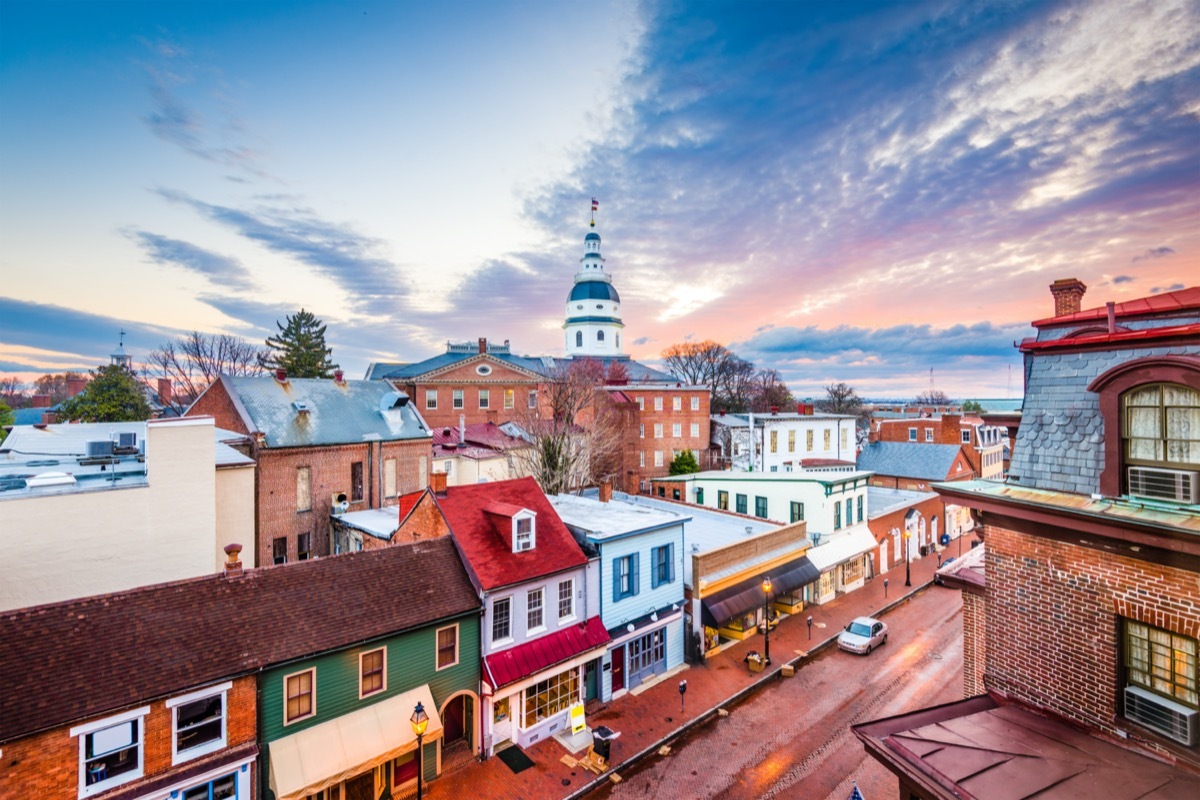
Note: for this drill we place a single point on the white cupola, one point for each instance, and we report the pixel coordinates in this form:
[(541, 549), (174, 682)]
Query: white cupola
[(593, 322)]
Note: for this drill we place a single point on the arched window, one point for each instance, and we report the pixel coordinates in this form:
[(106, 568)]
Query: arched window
[(599, 336), (579, 338), (1161, 426)]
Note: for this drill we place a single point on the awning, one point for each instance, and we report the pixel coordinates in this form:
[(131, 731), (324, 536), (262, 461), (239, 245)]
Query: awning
[(842, 548), (528, 659), (731, 602), (321, 756)]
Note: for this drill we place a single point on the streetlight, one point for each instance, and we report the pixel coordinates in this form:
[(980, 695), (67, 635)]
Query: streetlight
[(767, 621), (419, 720), (907, 567), (885, 585)]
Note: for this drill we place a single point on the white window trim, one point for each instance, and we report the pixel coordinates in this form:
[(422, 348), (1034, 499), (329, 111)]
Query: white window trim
[(310, 714), (695, 403), (536, 628), (381, 689), (532, 517), (431, 394), (208, 747), (572, 615), (437, 649), (82, 731), (507, 640)]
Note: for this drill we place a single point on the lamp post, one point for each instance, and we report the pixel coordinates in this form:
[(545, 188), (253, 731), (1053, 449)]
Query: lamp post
[(767, 621), (810, 627), (907, 565), (885, 585), (419, 720)]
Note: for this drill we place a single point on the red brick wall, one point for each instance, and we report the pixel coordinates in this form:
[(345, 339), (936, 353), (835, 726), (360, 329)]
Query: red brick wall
[(46, 765), (446, 415), (1052, 630), (423, 522), (216, 403), (667, 418), (974, 643), (881, 528)]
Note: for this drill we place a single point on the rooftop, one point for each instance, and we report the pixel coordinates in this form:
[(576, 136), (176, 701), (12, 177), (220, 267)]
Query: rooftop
[(881, 501), (1162, 303), (825, 478), (612, 520), (918, 460)]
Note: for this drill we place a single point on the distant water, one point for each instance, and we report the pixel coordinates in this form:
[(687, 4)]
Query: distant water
[(988, 403)]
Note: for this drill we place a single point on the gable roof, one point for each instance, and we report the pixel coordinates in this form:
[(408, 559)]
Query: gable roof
[(930, 462), (538, 366), (74, 660), (335, 413), (471, 512)]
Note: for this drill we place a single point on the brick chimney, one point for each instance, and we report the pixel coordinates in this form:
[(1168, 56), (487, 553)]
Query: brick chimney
[(483, 344), (437, 483), (164, 391), (233, 564), (1068, 295), (281, 375), (41, 401), (339, 376), (606, 492), (951, 429), (75, 386)]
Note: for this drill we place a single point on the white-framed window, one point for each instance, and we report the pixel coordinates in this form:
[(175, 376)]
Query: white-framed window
[(695, 430), (523, 534), (658, 430), (929, 434), (658, 404), (447, 646), (299, 695), (658, 460), (641, 401), (198, 722), (677, 403), (966, 437), (535, 616), (501, 619), (677, 429), (510, 400), (431, 398), (533, 398), (566, 599), (695, 402), (641, 430), (215, 789), (457, 401), (792, 441), (485, 398), (110, 751), (912, 434), (642, 458), (372, 672)]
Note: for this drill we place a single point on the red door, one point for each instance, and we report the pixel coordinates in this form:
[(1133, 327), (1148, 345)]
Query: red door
[(618, 668)]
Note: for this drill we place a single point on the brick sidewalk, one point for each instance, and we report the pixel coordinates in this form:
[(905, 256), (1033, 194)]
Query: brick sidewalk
[(644, 720)]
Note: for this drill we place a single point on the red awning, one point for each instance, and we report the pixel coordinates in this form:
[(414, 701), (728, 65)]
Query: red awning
[(530, 658)]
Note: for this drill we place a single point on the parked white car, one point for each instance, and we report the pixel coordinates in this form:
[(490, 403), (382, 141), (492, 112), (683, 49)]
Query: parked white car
[(863, 635)]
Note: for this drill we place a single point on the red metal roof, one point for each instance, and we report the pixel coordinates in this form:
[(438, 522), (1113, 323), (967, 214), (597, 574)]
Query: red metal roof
[(409, 501), (1120, 337), (484, 434), (544, 652), (1165, 302), (485, 541)]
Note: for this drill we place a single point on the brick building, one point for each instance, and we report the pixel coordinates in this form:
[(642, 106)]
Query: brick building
[(1090, 657), (899, 516), (983, 445), (319, 444)]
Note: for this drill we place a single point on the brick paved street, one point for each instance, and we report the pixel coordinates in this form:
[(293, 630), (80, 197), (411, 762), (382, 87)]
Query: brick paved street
[(646, 719)]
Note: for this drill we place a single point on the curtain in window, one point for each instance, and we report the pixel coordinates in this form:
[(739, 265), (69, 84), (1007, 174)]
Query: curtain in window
[(1143, 410), (1183, 424)]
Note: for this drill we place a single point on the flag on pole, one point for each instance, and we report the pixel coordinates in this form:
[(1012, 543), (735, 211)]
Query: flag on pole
[(595, 204), (855, 794)]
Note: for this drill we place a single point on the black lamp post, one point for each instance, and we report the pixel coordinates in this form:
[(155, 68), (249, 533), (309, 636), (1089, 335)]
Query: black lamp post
[(885, 585), (767, 621), (907, 565), (810, 627), (420, 721)]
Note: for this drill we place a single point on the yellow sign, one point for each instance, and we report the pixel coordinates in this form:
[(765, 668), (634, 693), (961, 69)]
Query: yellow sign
[(578, 725)]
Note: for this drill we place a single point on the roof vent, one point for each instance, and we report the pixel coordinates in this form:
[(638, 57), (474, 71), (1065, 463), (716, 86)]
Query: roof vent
[(50, 479), (392, 400), (301, 406)]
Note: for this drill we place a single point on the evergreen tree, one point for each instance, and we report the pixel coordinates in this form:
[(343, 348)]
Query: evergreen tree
[(685, 463), (6, 418), (300, 348), (114, 394)]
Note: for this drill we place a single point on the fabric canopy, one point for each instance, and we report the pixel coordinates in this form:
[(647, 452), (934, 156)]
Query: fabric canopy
[(731, 602), (842, 548), (321, 756)]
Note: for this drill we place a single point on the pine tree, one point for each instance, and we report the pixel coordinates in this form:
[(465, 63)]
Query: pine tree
[(684, 464), (300, 348), (114, 394)]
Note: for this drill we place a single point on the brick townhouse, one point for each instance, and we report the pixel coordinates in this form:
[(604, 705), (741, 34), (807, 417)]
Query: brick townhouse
[(982, 445), (321, 446), (1082, 626)]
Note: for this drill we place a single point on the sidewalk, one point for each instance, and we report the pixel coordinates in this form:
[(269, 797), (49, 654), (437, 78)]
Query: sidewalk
[(649, 718)]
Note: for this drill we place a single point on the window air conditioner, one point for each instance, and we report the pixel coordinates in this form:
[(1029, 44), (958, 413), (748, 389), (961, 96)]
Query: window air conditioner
[(339, 504), (1165, 484), (1173, 720)]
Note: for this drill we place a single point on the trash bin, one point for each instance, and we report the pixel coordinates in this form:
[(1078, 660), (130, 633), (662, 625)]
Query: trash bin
[(602, 738)]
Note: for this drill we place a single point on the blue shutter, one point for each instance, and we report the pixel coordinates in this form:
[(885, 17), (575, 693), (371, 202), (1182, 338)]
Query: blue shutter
[(616, 564), (655, 556), (671, 561), (633, 571)]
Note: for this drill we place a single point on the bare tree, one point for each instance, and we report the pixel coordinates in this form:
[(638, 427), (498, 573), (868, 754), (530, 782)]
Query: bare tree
[(841, 398), (767, 391), (932, 397), (194, 361), (55, 385), (13, 394), (698, 363)]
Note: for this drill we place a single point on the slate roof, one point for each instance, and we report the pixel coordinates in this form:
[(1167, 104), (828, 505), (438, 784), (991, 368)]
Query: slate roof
[(530, 658), (486, 543), (337, 413), (882, 502), (29, 416), (930, 462), (79, 659), (540, 365)]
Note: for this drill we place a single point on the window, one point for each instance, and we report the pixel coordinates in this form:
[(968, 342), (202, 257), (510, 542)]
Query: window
[(641, 430), (791, 441), (845, 439), (664, 565), (501, 619), (658, 404), (372, 675), (837, 515), (431, 398), (797, 511), (599, 336), (860, 508), (966, 437), (524, 539), (675, 494), (677, 403), (641, 401), (534, 614), (566, 599), (677, 429), (300, 696), (695, 402), (533, 398), (279, 550), (1162, 662), (625, 576), (110, 751), (912, 434), (695, 430), (808, 440), (510, 400), (849, 511), (304, 488), (642, 459), (485, 398), (447, 646), (760, 507), (852, 570), (700, 495), (647, 652), (658, 459), (457, 401), (198, 721), (304, 547), (579, 338), (548, 697), (1162, 425), (827, 436), (722, 500), (658, 430), (929, 434), (356, 481), (740, 501), (774, 441), (389, 477), (222, 788)]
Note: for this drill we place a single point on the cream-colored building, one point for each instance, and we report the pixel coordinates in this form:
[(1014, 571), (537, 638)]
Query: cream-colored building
[(101, 507)]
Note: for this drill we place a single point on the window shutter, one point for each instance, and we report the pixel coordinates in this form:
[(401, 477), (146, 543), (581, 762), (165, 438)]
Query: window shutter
[(633, 569), (654, 556), (671, 561), (616, 568)]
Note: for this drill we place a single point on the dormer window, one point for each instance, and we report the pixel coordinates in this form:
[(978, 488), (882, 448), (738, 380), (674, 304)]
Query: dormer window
[(523, 538)]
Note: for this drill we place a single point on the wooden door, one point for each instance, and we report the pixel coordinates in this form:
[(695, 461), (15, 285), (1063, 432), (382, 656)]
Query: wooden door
[(618, 668)]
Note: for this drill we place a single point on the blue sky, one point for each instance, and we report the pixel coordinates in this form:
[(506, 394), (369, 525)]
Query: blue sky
[(841, 191)]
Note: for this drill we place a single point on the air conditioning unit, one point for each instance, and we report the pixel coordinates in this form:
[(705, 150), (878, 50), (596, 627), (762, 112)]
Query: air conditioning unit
[(1165, 484), (100, 449), (340, 503), (1173, 720)]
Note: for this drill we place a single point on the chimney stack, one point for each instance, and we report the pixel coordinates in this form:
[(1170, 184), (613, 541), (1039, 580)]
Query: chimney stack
[(339, 376), (164, 391), (233, 564), (1068, 296), (281, 375), (41, 401), (75, 386), (437, 483), (951, 429), (606, 492), (482, 344)]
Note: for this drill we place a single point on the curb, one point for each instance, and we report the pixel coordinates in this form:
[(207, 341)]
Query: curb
[(733, 699)]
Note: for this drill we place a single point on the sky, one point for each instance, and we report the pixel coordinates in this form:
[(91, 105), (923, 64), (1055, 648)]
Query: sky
[(876, 193)]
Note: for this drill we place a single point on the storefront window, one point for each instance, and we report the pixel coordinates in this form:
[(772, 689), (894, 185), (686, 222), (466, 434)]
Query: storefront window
[(852, 571), (548, 697)]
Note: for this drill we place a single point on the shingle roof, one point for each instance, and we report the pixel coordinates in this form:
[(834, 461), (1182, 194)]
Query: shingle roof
[(931, 462), (486, 544), (74, 660), (336, 413)]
